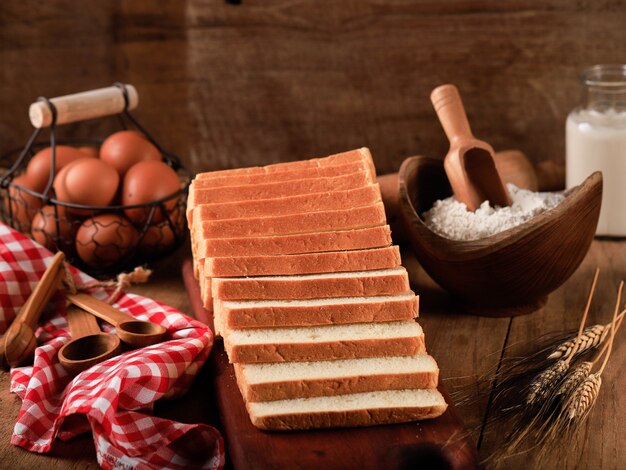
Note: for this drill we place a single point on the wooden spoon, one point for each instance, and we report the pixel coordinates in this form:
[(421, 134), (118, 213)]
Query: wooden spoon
[(89, 345), (136, 333), (19, 340), (469, 164)]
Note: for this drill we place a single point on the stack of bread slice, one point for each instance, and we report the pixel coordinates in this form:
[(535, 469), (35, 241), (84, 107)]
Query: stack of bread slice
[(315, 310)]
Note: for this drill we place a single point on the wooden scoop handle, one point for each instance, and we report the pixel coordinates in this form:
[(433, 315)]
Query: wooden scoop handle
[(447, 103), (82, 106), (41, 295), (81, 323), (100, 309)]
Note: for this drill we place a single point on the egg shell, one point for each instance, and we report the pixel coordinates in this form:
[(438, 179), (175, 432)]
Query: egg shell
[(38, 170), (90, 151), (23, 205), (147, 182), (124, 149), (104, 240), (44, 228), (157, 240), (87, 181)]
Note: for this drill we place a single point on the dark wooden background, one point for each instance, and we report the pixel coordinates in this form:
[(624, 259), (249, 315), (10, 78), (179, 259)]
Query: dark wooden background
[(228, 85)]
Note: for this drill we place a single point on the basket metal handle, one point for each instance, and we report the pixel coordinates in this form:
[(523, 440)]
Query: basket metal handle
[(82, 106)]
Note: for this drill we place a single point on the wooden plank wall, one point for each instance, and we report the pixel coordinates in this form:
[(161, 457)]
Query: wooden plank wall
[(267, 80)]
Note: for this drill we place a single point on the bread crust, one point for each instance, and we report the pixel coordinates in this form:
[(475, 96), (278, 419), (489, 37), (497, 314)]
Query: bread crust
[(335, 159), (357, 239), (279, 189), (314, 202), (343, 219), (347, 349), (251, 288), (342, 419), (308, 263), (286, 315), (289, 389), (288, 175)]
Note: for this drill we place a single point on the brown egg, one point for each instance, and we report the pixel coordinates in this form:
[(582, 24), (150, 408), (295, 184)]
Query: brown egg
[(126, 148), (44, 228), (90, 151), (104, 240), (87, 181), (23, 206), (146, 182), (38, 170), (157, 240)]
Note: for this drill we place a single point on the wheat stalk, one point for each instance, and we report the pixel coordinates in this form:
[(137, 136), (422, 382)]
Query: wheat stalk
[(591, 337), (579, 404), (572, 380), (544, 382)]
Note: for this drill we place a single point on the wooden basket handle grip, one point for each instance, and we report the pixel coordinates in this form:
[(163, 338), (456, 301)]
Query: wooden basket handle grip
[(82, 106), (449, 107)]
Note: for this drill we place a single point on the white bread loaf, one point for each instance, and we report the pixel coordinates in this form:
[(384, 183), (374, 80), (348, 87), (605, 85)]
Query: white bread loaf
[(312, 286), (288, 380), (359, 409), (324, 343), (362, 154), (239, 314)]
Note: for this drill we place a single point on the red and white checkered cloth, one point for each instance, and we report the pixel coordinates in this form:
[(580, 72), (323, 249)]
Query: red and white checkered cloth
[(113, 399)]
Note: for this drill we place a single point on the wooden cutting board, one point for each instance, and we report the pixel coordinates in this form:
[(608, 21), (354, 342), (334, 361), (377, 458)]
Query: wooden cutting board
[(440, 443)]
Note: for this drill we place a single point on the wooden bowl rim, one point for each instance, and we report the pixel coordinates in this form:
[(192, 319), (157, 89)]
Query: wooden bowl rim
[(496, 241)]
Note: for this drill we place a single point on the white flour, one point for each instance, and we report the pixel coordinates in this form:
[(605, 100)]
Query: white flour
[(451, 219)]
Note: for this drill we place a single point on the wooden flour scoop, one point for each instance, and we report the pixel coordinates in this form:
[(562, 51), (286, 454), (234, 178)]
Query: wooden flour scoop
[(469, 164)]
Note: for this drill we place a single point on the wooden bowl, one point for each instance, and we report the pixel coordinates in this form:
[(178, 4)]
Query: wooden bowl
[(512, 272)]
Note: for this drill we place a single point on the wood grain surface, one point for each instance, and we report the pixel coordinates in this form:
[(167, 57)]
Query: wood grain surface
[(269, 80), (228, 85), (440, 443), (465, 347)]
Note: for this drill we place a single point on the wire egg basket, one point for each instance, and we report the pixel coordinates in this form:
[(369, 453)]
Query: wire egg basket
[(110, 241)]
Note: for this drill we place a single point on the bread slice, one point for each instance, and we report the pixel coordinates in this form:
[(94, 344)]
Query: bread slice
[(239, 314), (358, 409), (312, 286), (288, 380), (312, 242), (336, 159), (313, 202), (307, 263), (279, 188), (321, 343), (359, 217), (287, 175)]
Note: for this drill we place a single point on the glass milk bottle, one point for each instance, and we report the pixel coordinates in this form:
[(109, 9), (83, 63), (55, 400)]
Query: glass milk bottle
[(596, 141)]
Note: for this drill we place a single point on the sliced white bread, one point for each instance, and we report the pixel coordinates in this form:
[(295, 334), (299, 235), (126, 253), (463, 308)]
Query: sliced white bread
[(288, 175), (210, 195), (288, 380), (342, 219), (320, 343), (240, 314), (336, 159), (312, 286), (314, 202), (313, 242), (358, 409), (307, 263)]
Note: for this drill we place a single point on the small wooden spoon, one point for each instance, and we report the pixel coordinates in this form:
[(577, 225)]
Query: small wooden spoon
[(134, 332), (19, 340), (89, 345), (469, 164)]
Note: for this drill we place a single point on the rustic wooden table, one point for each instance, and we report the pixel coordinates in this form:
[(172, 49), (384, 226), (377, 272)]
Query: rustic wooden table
[(465, 347)]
